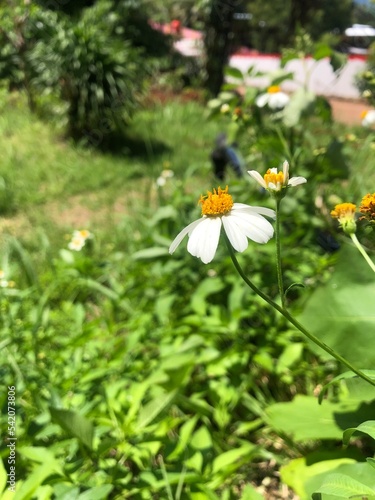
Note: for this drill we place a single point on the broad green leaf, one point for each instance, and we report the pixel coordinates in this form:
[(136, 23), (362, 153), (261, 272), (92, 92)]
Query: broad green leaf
[(97, 493), (341, 313), (344, 376), (75, 424), (371, 461), (304, 419), (366, 427), (297, 473), (152, 409), (346, 487)]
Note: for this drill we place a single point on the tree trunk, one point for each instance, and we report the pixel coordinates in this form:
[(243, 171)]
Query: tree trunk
[(218, 41)]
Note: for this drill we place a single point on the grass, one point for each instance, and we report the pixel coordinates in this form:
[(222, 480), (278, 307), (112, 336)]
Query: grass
[(48, 182)]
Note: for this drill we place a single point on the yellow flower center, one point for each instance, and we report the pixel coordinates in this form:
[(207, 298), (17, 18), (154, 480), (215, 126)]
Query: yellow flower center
[(217, 203), (367, 206), (363, 114), (274, 178), (84, 233), (273, 89), (344, 211)]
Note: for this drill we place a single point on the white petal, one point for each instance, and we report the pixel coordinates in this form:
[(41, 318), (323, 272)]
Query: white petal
[(254, 226), (286, 172), (295, 181), (258, 210), (369, 118), (187, 230), (278, 100), (237, 238), (204, 239), (256, 175), (262, 100)]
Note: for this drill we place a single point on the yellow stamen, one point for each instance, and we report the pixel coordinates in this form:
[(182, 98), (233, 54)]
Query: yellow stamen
[(367, 206), (84, 233), (344, 211), (217, 203), (273, 89), (274, 178)]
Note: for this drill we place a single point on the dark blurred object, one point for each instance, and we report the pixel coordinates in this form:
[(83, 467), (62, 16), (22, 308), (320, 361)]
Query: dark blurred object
[(327, 241), (222, 155)]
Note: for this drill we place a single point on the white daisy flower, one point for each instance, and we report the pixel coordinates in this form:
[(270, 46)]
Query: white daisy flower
[(368, 118), (79, 239), (274, 98), (240, 222), (276, 181)]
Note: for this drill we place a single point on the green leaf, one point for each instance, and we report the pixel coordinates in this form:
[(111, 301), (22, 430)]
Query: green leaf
[(304, 419), (231, 72), (343, 376), (35, 479), (250, 493), (201, 439), (321, 51), (150, 253), (345, 487), (184, 437), (338, 60), (97, 493), (298, 473), (341, 313), (205, 288), (3, 476), (75, 424), (232, 458), (289, 356), (366, 427), (152, 409), (371, 461)]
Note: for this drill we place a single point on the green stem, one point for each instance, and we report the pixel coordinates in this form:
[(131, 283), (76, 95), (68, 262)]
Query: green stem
[(293, 321), (278, 254), (362, 251)]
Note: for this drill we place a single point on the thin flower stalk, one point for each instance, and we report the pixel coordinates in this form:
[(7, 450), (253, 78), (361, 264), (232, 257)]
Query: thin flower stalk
[(278, 254), (362, 251), (294, 322)]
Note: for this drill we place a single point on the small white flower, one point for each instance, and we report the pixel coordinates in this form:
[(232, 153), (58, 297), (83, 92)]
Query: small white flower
[(225, 108), (368, 118), (161, 181), (276, 181), (240, 222), (76, 244), (79, 239), (274, 98)]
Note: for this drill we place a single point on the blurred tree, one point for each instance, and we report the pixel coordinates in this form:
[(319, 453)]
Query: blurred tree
[(219, 39), (275, 25)]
